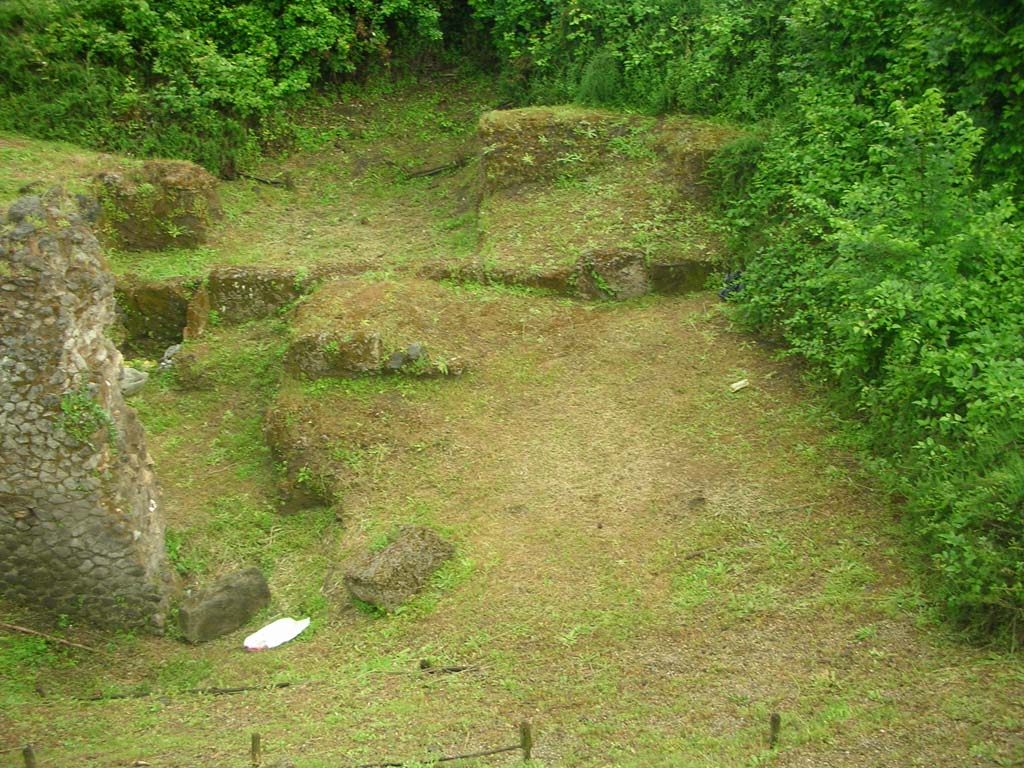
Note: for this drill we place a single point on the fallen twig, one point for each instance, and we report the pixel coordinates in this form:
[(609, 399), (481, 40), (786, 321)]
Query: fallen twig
[(286, 182), (448, 670), (62, 641), (437, 169), (198, 691), (432, 760)]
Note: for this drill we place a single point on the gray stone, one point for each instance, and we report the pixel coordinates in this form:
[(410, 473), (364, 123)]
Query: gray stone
[(396, 361), (167, 361), (132, 380), (223, 606), (21, 209), (23, 230), (391, 576)]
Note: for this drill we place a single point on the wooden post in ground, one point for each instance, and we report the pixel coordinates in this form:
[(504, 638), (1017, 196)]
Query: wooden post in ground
[(526, 738), (29, 755), (255, 750)]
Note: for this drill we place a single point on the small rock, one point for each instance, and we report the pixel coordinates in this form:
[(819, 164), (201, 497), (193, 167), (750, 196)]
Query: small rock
[(396, 361), (132, 380), (391, 576), (22, 230), (167, 361), (223, 606)]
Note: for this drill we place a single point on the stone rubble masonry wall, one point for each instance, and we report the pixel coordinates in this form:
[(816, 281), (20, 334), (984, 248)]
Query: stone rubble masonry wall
[(81, 531)]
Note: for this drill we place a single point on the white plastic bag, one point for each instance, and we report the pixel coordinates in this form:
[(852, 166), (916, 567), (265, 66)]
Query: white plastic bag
[(275, 634)]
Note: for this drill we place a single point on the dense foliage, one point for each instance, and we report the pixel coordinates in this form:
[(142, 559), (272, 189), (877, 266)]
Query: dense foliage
[(874, 211), (874, 200), (184, 78), (748, 59)]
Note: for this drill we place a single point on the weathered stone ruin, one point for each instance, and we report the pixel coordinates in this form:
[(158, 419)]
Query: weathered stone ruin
[(239, 294), (80, 520), (540, 160), (158, 204), (396, 573), (152, 314)]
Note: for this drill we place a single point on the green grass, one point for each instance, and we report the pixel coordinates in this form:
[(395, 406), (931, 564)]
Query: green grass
[(648, 565)]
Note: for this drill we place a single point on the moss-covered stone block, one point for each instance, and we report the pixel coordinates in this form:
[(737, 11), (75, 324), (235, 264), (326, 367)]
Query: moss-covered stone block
[(156, 205)]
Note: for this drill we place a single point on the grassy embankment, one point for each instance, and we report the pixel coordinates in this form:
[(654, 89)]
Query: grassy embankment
[(648, 564)]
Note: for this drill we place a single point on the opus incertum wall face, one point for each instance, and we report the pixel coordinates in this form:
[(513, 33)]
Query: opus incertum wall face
[(80, 521)]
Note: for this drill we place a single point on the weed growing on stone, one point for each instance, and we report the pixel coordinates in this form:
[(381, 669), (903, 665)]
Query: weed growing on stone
[(81, 416)]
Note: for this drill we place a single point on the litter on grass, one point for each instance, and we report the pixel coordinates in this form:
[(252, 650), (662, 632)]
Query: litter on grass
[(275, 634)]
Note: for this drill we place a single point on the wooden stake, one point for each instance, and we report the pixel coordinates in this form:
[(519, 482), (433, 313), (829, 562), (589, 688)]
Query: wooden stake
[(29, 755), (526, 739), (775, 726), (256, 757)]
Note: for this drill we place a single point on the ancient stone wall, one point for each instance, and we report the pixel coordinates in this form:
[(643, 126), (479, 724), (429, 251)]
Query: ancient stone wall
[(80, 520)]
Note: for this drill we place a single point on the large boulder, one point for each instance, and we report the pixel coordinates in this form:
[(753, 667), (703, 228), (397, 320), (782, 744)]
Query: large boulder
[(338, 353), (391, 576), (224, 606), (158, 204)]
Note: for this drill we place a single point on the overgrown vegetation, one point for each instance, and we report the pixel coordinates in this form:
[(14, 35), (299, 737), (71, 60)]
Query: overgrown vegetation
[(180, 78), (874, 209), (649, 565)]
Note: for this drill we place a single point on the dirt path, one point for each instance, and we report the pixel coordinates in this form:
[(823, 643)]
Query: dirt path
[(660, 563)]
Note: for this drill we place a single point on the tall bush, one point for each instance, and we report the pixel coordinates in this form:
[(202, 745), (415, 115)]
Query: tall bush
[(883, 265), (184, 78)]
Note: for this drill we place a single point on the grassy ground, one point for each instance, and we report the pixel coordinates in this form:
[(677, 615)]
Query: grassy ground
[(649, 565)]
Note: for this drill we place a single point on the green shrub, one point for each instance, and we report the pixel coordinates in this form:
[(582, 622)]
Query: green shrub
[(184, 79), (81, 416), (601, 84), (885, 266)]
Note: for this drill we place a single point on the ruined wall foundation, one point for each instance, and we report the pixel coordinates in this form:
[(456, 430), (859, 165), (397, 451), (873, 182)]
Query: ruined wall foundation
[(81, 531)]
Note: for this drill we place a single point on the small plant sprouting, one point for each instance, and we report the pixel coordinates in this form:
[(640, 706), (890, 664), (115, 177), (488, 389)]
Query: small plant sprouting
[(301, 279), (81, 416)]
